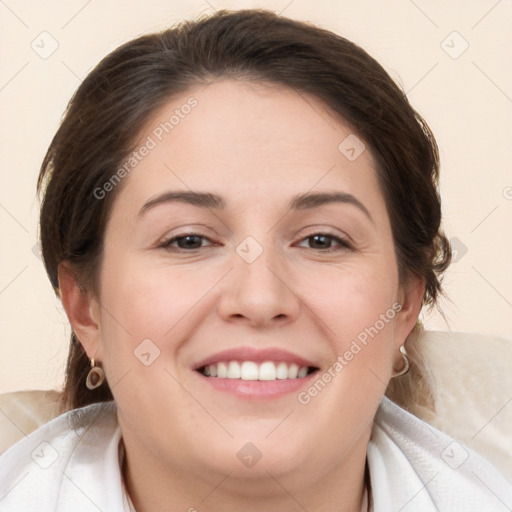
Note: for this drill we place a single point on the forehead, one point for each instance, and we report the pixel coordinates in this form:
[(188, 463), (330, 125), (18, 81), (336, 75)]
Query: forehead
[(254, 142)]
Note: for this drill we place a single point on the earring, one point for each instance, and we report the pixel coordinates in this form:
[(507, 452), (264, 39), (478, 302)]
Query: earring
[(95, 377), (406, 367)]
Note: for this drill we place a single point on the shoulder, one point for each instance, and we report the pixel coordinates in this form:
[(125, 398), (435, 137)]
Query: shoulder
[(65, 464), (427, 469)]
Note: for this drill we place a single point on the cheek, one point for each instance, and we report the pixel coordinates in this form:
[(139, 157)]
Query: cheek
[(148, 298), (357, 308), (160, 303), (351, 298), (359, 320)]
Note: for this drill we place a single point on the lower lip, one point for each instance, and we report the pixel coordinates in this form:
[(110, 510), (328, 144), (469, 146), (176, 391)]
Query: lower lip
[(257, 388)]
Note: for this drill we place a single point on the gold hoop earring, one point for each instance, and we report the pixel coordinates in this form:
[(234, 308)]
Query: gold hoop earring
[(95, 377), (406, 367)]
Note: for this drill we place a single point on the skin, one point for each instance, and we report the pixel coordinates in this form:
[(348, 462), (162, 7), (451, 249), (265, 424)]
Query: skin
[(257, 147)]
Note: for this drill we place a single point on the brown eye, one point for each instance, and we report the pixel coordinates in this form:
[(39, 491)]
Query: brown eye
[(189, 242), (186, 242), (324, 242), (320, 242)]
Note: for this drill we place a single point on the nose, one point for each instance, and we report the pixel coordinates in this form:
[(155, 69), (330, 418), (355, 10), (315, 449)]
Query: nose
[(259, 294)]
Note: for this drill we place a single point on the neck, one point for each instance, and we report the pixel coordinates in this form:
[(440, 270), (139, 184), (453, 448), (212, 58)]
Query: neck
[(155, 487)]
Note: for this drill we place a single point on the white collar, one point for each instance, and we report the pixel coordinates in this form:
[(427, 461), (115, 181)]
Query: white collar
[(412, 466)]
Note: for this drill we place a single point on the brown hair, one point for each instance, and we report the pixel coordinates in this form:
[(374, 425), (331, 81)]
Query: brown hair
[(116, 99)]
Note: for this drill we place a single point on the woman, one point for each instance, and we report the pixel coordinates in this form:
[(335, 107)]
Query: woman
[(241, 218)]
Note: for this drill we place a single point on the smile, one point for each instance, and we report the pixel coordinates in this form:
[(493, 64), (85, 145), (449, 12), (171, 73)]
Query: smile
[(252, 370)]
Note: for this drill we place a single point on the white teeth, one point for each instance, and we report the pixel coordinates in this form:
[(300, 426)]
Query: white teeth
[(303, 371), (293, 370), (250, 370), (267, 371), (282, 371), (233, 370), (222, 370)]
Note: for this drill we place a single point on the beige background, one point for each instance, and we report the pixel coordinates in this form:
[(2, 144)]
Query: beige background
[(465, 96)]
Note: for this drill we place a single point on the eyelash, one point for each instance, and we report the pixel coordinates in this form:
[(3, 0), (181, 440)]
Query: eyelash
[(167, 244), (342, 244)]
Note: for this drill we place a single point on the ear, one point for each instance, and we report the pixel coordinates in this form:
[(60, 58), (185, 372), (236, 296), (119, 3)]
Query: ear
[(410, 297), (81, 309)]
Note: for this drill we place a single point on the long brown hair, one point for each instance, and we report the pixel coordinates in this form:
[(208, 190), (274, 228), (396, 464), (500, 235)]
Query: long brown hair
[(111, 105)]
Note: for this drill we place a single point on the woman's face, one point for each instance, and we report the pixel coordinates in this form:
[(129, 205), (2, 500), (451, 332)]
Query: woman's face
[(251, 241)]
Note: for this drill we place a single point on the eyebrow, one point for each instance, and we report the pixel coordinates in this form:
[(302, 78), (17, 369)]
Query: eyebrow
[(305, 201), (208, 200), (201, 199)]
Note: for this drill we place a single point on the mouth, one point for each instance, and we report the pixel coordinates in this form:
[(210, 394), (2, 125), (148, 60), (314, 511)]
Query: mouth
[(252, 370), (256, 373)]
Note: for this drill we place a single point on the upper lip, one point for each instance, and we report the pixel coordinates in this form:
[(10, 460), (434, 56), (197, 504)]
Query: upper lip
[(258, 355)]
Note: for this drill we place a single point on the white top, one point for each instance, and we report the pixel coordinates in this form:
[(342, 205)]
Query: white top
[(413, 467)]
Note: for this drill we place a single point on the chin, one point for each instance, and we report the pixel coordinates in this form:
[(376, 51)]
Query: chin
[(253, 453)]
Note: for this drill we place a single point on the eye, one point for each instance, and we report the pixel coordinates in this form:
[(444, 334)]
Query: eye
[(324, 242), (186, 242)]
